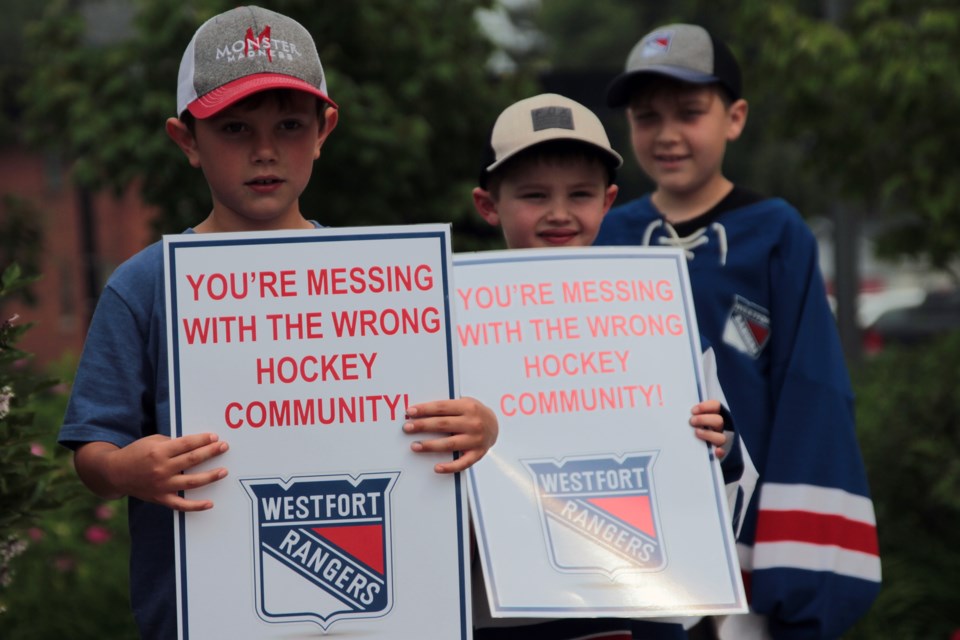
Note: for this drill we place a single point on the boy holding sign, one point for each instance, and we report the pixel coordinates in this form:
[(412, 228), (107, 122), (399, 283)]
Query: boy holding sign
[(548, 181), (809, 544), (254, 124)]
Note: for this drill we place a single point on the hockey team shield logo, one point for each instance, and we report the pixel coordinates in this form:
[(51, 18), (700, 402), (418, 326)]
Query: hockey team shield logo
[(599, 514), (657, 44), (322, 547), (747, 328)]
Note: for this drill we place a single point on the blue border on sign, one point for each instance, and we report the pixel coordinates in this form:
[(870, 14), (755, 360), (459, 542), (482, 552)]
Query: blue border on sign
[(175, 243)]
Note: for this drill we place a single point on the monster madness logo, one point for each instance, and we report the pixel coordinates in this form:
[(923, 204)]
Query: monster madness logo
[(599, 514), (322, 547)]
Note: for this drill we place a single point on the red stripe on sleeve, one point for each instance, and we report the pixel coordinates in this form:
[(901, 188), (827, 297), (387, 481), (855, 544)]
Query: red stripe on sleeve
[(816, 528)]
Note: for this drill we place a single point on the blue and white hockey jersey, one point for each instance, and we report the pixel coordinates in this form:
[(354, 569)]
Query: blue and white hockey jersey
[(808, 547)]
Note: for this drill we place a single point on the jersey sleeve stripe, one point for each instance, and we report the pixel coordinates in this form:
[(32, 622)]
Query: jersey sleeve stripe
[(812, 557), (806, 497), (818, 529)]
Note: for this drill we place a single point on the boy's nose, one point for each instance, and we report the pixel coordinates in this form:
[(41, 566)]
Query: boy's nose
[(667, 133), (263, 150), (559, 211)]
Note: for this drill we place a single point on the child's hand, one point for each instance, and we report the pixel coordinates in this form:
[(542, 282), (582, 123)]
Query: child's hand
[(152, 468), (708, 422), (467, 425)]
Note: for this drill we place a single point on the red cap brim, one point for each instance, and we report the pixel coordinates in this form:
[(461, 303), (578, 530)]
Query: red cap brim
[(222, 97)]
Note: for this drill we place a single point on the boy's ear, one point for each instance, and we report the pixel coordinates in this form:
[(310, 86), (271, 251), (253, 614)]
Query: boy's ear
[(737, 118), (609, 197), (486, 206), (330, 118), (180, 134)]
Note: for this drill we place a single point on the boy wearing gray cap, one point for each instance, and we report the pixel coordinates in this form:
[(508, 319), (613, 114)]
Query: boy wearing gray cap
[(253, 112), (808, 547), (547, 180)]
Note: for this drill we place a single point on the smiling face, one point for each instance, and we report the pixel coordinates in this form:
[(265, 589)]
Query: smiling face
[(548, 202), (679, 134), (257, 157)]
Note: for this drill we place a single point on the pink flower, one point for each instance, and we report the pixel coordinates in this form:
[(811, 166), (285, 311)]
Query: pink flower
[(63, 564), (35, 533), (104, 512), (95, 534), (37, 449)]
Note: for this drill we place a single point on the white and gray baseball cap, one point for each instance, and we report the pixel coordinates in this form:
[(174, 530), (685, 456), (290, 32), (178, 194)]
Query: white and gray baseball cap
[(685, 52), (544, 118), (244, 51)]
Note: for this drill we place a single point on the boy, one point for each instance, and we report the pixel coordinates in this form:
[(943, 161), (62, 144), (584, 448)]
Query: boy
[(547, 180), (808, 547), (254, 124)]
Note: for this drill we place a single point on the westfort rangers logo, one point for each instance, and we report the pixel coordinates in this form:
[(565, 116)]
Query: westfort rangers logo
[(747, 328), (322, 547), (599, 514)]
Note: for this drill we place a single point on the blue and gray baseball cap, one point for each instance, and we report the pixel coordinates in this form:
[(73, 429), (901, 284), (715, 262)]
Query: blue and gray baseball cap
[(685, 52), (244, 51)]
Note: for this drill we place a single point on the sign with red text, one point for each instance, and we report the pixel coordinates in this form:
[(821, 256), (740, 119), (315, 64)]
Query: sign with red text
[(598, 499), (302, 350)]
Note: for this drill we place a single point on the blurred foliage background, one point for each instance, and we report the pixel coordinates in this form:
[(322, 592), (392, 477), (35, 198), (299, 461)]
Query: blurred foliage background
[(853, 109)]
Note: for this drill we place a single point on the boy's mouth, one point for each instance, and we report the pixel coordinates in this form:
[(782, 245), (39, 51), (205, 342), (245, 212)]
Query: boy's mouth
[(667, 159), (264, 182), (558, 236)]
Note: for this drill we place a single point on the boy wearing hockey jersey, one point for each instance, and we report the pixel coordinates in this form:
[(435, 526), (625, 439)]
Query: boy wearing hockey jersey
[(808, 546)]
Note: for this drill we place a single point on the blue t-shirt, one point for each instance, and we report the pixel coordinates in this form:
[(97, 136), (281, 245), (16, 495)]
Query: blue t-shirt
[(121, 394)]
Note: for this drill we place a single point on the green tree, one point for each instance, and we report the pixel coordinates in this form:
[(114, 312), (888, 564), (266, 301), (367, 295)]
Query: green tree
[(410, 77), (34, 480), (908, 411), (873, 94)]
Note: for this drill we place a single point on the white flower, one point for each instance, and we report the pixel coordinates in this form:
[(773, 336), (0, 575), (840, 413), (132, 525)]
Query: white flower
[(6, 395)]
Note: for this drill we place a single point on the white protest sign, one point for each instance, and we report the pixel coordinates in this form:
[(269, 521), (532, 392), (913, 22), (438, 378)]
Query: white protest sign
[(302, 349), (598, 499)]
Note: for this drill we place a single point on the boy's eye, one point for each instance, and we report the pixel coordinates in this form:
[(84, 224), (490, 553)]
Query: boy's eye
[(291, 125), (233, 127), (644, 116)]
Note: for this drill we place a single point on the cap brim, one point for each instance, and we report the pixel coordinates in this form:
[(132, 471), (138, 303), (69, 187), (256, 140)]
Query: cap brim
[(612, 159), (219, 99), (616, 160), (618, 91)]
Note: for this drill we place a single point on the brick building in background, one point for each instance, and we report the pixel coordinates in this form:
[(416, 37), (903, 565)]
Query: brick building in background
[(84, 237)]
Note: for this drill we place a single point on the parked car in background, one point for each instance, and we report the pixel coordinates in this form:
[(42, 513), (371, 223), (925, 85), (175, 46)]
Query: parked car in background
[(914, 323), (873, 304)]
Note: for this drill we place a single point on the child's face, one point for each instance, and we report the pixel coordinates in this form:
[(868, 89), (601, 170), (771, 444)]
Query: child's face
[(549, 204), (258, 159), (679, 135)]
